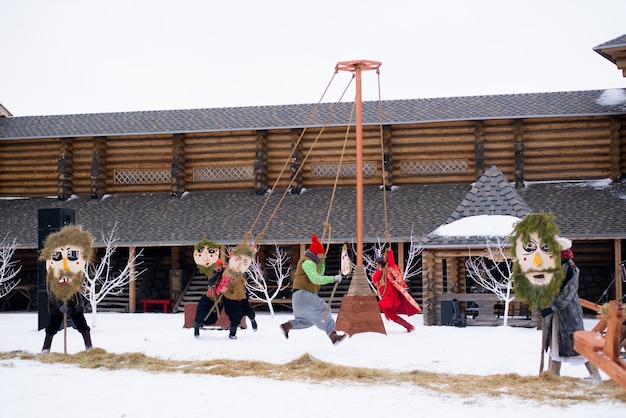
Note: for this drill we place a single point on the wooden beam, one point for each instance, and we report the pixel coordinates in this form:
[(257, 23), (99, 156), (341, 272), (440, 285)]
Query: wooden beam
[(617, 244), (132, 297)]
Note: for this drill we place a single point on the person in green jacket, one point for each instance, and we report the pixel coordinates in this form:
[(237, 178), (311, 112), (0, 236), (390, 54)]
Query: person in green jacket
[(308, 308)]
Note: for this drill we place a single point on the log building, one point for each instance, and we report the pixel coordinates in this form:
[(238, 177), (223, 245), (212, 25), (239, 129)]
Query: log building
[(166, 179)]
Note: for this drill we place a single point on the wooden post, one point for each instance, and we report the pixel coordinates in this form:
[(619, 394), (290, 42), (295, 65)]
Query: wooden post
[(357, 67), (132, 298), (617, 245), (359, 311)]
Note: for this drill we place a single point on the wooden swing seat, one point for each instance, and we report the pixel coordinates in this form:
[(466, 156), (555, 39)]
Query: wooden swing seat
[(602, 345)]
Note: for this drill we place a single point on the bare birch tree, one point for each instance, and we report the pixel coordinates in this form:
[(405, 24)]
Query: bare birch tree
[(8, 268), (493, 271), (101, 280), (258, 285), (411, 267)]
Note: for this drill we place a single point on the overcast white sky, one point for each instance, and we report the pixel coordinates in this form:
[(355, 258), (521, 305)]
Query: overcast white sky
[(75, 56)]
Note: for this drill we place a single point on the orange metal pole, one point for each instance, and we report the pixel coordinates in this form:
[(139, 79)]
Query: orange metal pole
[(358, 67), (359, 169)]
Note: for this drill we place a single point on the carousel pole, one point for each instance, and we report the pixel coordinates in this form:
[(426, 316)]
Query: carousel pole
[(359, 310), (359, 168), (357, 67)]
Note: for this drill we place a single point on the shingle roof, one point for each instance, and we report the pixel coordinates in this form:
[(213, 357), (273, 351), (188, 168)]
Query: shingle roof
[(492, 194), (613, 43), (581, 210), (610, 48), (576, 103)]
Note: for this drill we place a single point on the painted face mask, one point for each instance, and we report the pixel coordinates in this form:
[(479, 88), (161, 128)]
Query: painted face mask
[(239, 263), (66, 254), (536, 260), (206, 256), (537, 273)]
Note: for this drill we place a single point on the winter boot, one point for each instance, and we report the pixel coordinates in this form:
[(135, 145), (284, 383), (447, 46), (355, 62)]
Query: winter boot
[(87, 338), (594, 373), (254, 325), (554, 367), (404, 323), (285, 328), (47, 343), (233, 332), (337, 338), (196, 328)]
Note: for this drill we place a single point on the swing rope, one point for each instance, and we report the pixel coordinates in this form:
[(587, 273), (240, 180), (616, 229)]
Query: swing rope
[(327, 225), (260, 235), (382, 160), (249, 233)]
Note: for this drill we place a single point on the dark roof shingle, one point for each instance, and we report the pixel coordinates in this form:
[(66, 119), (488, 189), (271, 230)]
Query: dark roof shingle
[(577, 103), (582, 210)]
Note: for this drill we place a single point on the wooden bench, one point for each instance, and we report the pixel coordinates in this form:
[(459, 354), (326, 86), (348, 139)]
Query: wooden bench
[(516, 308), (601, 346), (167, 303), (480, 312), (275, 302)]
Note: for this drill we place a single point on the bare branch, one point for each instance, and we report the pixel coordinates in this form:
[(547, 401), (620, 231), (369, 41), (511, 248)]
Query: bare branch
[(415, 249), (101, 280), (8, 269), (493, 271), (259, 287)]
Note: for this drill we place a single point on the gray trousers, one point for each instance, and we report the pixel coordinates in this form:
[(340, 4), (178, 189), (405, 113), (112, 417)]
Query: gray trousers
[(309, 309)]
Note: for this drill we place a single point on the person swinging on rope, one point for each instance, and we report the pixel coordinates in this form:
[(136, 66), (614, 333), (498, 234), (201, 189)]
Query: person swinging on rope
[(308, 308), (394, 298)]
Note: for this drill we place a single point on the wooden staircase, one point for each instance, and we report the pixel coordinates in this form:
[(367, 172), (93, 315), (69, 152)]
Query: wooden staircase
[(196, 287)]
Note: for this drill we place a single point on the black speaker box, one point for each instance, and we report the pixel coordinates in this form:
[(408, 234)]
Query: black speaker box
[(447, 309), (52, 220)]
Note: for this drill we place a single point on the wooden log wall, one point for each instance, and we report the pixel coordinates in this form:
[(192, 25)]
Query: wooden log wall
[(566, 149), (142, 153), (433, 142), (65, 168), (329, 148), (29, 167), (279, 152), (220, 150), (82, 164), (523, 149), (178, 165), (499, 146)]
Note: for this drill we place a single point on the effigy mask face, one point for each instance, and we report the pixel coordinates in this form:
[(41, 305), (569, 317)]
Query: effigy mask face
[(64, 262), (536, 260), (206, 256), (239, 263), (66, 254)]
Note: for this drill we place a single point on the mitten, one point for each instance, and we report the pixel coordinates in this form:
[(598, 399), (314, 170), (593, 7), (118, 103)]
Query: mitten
[(63, 308), (337, 278), (546, 312), (222, 287)]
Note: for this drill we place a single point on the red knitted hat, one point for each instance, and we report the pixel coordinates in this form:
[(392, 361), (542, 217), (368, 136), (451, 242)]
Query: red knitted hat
[(316, 247)]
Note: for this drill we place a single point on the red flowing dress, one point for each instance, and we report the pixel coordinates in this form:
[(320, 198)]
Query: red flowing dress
[(394, 297)]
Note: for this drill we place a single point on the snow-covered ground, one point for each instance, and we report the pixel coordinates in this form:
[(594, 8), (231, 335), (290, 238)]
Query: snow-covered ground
[(34, 389)]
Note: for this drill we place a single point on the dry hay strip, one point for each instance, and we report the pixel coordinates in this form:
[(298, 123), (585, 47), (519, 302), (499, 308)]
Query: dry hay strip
[(545, 388)]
